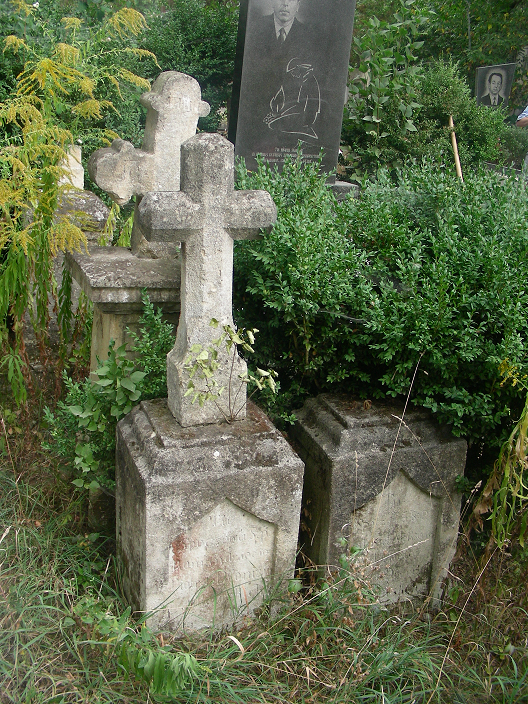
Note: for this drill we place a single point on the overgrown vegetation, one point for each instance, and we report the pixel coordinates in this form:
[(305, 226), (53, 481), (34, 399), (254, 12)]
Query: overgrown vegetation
[(418, 271), (198, 38), (421, 273), (66, 636), (64, 86), (400, 107), (83, 427)]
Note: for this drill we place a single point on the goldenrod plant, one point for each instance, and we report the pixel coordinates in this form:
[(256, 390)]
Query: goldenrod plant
[(505, 494), (60, 97)]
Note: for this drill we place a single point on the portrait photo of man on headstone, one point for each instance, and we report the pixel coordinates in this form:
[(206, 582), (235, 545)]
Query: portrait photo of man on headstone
[(494, 85), (295, 106), (290, 78)]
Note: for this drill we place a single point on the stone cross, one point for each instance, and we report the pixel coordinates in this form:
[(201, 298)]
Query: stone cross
[(173, 105), (206, 215)]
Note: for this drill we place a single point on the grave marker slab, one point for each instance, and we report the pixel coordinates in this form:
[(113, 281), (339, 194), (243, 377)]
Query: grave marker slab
[(290, 82)]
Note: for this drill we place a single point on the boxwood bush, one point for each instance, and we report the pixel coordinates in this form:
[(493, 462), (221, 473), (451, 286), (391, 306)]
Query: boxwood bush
[(421, 270)]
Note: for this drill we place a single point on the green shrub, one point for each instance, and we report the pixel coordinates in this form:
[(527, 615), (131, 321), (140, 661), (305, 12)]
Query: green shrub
[(513, 146), (425, 270), (383, 97), (295, 283), (443, 92), (440, 91), (82, 428)]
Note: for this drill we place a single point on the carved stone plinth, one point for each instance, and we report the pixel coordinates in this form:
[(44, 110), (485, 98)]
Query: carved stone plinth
[(388, 490), (207, 517)]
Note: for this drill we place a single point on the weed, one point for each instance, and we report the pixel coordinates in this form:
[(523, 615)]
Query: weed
[(203, 365)]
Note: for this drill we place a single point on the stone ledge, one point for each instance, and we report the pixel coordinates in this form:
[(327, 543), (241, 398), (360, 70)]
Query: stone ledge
[(113, 278)]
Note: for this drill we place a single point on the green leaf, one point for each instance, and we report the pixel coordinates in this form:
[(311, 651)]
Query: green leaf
[(128, 384), (103, 382), (75, 410)]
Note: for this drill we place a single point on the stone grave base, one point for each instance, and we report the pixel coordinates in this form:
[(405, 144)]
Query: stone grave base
[(207, 517), (113, 279), (400, 510)]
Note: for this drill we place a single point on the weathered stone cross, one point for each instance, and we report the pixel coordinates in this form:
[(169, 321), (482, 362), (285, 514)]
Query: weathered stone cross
[(206, 215), (173, 105)]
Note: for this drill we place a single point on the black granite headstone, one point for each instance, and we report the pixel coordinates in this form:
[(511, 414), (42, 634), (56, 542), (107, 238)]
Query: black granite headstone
[(290, 79), (494, 84)]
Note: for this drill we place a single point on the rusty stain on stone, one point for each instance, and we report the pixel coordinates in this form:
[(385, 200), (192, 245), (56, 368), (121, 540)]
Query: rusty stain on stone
[(178, 548)]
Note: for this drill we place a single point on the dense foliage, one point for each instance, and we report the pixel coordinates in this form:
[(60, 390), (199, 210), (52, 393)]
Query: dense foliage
[(400, 107), (422, 271), (82, 428), (64, 77), (482, 33)]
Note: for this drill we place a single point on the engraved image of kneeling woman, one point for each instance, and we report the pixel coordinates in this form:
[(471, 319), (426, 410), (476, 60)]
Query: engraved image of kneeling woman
[(297, 104)]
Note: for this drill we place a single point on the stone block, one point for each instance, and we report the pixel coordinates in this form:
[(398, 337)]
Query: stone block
[(207, 517), (73, 176), (113, 279), (400, 508)]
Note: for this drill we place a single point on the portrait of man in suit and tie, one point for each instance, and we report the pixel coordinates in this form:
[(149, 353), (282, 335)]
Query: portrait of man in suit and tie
[(493, 85), (493, 96), (281, 32)]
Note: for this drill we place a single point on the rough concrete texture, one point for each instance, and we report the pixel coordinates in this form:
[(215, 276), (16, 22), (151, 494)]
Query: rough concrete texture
[(400, 508), (173, 107), (74, 171), (205, 515), (206, 215), (113, 279)]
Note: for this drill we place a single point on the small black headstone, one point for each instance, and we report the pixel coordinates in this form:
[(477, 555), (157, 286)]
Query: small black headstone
[(290, 85), (494, 84)]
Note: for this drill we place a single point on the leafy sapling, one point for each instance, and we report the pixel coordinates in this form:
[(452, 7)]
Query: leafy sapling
[(110, 396), (203, 364)]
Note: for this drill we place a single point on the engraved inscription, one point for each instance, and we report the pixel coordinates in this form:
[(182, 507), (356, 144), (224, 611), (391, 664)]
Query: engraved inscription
[(220, 563)]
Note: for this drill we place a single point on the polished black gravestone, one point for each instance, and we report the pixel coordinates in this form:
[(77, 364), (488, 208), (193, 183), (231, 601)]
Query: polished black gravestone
[(290, 79), (494, 84)]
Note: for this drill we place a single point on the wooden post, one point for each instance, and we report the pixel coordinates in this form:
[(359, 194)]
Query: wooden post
[(455, 148)]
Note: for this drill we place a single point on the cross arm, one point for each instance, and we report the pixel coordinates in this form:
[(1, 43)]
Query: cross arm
[(168, 217), (247, 212), (121, 170)]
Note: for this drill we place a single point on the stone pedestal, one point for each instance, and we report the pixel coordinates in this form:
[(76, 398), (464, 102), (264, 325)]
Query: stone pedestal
[(113, 279), (207, 517), (400, 509)]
